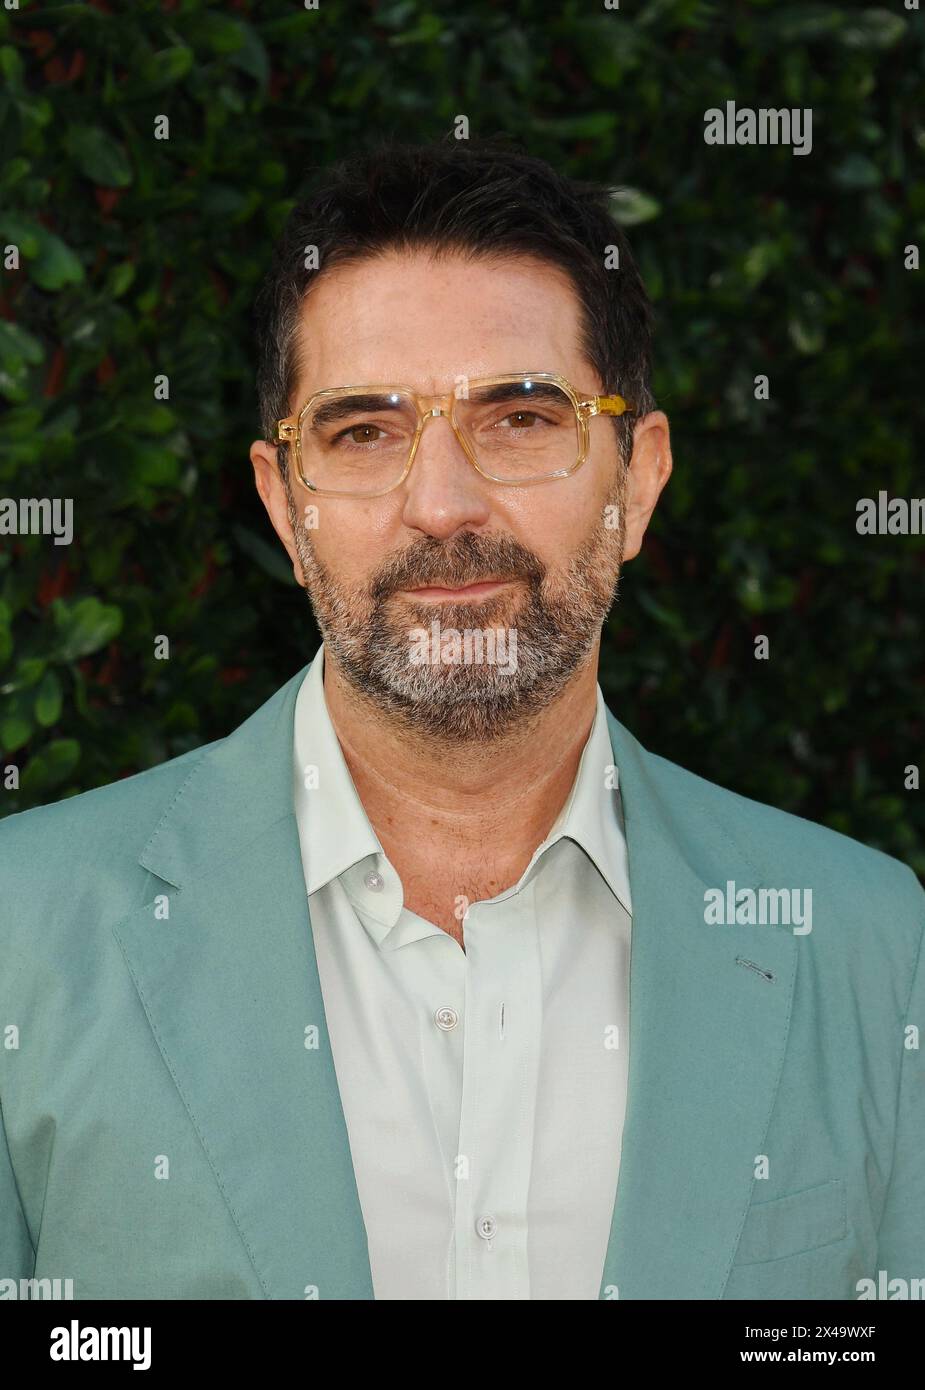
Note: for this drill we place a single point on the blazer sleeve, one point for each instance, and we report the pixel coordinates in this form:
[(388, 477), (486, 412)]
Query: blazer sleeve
[(901, 1245), (17, 1258)]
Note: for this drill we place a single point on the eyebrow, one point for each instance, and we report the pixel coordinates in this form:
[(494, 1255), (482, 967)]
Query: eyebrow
[(329, 412), (513, 390)]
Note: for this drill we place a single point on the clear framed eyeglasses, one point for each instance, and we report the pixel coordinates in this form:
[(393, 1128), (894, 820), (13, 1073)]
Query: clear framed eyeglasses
[(521, 428)]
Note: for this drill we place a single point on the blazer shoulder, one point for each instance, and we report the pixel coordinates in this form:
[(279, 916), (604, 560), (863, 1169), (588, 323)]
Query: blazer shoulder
[(58, 849), (113, 802), (804, 850)]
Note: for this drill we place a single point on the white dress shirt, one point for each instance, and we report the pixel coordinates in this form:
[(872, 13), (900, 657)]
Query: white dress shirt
[(483, 1089)]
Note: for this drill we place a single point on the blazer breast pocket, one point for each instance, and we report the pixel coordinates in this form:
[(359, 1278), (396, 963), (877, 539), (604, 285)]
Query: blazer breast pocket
[(789, 1225)]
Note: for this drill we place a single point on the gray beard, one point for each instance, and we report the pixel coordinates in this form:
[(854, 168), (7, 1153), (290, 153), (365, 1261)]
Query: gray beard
[(550, 624)]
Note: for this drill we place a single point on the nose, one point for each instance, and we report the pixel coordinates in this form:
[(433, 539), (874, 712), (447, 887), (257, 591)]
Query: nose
[(443, 492)]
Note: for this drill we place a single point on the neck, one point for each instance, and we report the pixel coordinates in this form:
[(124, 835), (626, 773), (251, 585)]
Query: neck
[(496, 800)]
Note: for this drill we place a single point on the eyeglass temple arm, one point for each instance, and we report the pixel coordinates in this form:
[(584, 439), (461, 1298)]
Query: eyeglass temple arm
[(606, 405)]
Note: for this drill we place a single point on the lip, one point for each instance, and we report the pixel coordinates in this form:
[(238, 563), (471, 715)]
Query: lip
[(470, 591)]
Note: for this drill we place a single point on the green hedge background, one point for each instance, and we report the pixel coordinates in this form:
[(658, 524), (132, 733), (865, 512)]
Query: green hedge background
[(142, 256)]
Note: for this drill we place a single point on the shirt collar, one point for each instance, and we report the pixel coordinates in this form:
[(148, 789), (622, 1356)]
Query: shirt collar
[(337, 835), (593, 812), (331, 817)]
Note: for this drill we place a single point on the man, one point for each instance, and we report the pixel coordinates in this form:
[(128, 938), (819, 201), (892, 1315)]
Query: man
[(429, 982)]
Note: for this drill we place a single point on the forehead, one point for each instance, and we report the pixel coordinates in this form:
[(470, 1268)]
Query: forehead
[(421, 321)]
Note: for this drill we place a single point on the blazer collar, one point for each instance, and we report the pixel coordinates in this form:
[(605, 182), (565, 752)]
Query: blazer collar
[(230, 988), (240, 785)]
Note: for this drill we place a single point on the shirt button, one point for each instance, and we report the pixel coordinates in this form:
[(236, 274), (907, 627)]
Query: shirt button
[(487, 1227), (446, 1018), (374, 882)]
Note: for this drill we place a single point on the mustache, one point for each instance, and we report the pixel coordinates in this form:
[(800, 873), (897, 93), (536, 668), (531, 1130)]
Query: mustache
[(470, 559)]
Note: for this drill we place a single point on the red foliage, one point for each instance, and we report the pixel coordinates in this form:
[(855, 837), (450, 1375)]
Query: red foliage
[(209, 577), (55, 585), (55, 373), (220, 287), (42, 41), (109, 671), (278, 80), (805, 593), (233, 675), (719, 655), (106, 199), (55, 71)]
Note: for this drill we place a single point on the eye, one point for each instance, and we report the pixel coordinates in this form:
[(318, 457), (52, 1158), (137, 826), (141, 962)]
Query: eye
[(360, 434), (520, 419)]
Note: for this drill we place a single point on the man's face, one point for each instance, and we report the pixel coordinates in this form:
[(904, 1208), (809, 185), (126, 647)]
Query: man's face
[(381, 571)]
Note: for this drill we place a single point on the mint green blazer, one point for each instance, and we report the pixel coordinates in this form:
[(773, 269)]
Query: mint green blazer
[(167, 1134)]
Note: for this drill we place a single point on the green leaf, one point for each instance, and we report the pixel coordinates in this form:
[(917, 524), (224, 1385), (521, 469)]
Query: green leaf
[(11, 65), (804, 24), (48, 700), (56, 264), (218, 32), (99, 156), (877, 29), (15, 731), (149, 417), (13, 172), (164, 69), (37, 112), (83, 626), (252, 57), (428, 29), (151, 465), (24, 232), (29, 670), (119, 279), (18, 348), (806, 336), (50, 766), (591, 125), (629, 206), (272, 561), (856, 172), (760, 260)]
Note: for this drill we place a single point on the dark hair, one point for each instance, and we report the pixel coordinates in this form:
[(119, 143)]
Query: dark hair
[(478, 198)]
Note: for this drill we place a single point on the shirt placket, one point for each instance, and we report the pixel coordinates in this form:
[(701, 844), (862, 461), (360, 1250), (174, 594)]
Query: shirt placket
[(501, 1054)]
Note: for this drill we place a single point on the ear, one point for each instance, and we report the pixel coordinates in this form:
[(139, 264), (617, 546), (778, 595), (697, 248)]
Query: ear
[(275, 498), (649, 470)]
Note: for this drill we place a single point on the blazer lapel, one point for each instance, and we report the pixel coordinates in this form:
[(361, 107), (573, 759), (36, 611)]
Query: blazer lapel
[(707, 1040), (230, 986)]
